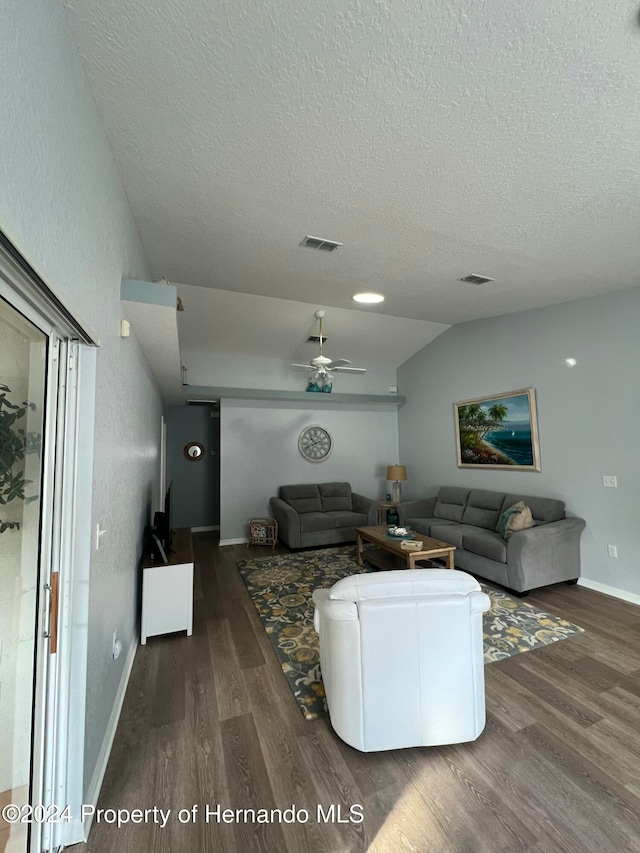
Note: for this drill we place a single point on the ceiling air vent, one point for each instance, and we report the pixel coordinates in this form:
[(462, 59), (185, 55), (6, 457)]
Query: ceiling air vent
[(477, 279), (315, 339), (319, 243)]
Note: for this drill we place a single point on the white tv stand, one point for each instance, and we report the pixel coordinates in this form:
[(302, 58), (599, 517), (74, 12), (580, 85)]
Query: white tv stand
[(167, 590)]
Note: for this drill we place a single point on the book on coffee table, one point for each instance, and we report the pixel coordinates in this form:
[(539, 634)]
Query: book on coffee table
[(411, 545)]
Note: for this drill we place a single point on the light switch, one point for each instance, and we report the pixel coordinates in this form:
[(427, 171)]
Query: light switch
[(609, 481)]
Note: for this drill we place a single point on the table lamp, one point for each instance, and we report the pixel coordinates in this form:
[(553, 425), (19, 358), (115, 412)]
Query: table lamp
[(397, 473)]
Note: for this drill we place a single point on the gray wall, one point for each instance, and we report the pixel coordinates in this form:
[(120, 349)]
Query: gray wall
[(64, 207), (259, 452), (587, 415), (230, 370), (195, 493)]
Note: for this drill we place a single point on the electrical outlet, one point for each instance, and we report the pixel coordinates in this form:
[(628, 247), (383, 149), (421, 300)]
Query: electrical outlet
[(612, 550), (609, 481)]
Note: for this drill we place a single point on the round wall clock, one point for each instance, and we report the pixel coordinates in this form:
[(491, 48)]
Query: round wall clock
[(315, 443)]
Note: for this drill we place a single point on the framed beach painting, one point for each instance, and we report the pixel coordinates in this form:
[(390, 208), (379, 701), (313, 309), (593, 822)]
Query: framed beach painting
[(500, 431)]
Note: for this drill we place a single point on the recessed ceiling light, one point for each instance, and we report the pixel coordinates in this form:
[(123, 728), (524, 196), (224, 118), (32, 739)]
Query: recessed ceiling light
[(369, 298), (571, 362)]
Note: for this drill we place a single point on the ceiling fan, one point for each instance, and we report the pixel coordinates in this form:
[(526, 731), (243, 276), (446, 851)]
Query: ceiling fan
[(322, 367)]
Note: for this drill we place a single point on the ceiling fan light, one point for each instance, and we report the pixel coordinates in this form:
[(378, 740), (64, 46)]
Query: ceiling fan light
[(368, 298)]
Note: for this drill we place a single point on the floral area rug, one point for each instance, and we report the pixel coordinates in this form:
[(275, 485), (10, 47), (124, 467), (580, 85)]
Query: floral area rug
[(281, 587)]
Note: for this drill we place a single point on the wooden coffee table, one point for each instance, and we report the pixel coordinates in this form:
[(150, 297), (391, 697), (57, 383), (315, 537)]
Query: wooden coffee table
[(430, 547)]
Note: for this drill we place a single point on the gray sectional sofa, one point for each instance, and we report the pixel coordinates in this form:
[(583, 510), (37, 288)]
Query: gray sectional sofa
[(467, 518), (314, 514)]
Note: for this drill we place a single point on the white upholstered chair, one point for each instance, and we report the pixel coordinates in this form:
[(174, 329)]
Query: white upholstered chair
[(402, 658)]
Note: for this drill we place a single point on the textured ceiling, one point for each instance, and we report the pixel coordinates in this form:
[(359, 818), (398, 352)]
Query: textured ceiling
[(432, 139)]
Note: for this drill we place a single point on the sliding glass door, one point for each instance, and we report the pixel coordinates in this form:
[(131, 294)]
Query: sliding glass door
[(23, 380)]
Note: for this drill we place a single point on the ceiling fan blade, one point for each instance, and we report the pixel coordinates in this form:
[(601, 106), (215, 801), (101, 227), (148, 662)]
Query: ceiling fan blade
[(339, 362), (350, 369), (296, 364)]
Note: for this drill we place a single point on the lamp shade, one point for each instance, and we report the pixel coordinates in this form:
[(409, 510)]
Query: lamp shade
[(397, 472)]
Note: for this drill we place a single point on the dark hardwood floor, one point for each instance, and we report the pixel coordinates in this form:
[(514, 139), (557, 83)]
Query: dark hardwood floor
[(210, 719)]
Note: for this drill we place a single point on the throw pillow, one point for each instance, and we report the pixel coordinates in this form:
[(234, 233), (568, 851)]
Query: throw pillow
[(517, 517)]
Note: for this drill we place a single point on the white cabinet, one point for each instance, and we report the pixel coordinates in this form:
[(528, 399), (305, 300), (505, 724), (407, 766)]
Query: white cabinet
[(167, 591)]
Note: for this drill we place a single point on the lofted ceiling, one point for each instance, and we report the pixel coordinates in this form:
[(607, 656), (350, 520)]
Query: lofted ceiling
[(265, 327), (433, 140)]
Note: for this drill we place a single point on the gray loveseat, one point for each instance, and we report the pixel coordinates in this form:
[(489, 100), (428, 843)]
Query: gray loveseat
[(313, 514), (467, 518)]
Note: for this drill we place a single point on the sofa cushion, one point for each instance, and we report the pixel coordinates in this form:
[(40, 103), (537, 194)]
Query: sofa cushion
[(451, 503), (342, 518), (424, 525), (303, 498), (335, 496), (485, 543), (315, 521), (451, 533), (516, 517), (542, 509), (483, 508)]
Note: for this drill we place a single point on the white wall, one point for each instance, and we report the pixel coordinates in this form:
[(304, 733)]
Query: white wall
[(259, 452), (242, 371), (587, 415), (64, 208)]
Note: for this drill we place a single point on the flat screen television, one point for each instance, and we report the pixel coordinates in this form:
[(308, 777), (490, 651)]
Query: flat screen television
[(163, 522)]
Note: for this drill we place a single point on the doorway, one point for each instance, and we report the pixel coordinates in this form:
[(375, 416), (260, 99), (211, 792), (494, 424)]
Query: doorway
[(23, 382), (47, 382), (195, 481)]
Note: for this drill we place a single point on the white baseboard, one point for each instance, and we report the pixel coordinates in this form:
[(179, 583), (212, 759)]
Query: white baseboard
[(101, 766), (205, 529), (241, 541), (610, 590)]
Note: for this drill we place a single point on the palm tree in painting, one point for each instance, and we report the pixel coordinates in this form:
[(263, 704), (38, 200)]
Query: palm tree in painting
[(475, 422), (498, 412)]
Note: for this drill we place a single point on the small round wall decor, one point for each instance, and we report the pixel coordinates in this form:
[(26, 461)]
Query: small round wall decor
[(194, 451)]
